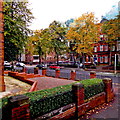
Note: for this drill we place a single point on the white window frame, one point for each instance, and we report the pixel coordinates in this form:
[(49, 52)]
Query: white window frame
[(95, 48)]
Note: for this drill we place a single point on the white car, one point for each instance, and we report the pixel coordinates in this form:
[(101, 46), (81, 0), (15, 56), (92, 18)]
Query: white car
[(19, 64), (7, 65)]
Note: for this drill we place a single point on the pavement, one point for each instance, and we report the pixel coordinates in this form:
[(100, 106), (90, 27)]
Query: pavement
[(107, 111), (50, 82)]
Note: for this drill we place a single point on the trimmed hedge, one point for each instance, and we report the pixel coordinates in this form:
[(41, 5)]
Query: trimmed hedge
[(44, 101), (92, 87), (3, 102), (47, 104)]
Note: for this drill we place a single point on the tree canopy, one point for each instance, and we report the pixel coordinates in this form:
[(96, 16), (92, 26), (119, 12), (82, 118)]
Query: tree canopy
[(111, 29), (84, 33), (57, 38), (17, 18)]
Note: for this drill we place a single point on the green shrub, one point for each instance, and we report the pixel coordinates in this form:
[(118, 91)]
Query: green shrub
[(3, 102), (47, 104), (44, 101), (92, 87)]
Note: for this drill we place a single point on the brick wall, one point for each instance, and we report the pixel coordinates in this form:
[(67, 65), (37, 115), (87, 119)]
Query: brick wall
[(2, 84)]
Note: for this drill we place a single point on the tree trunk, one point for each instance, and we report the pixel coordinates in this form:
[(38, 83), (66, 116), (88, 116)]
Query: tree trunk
[(83, 60), (39, 55), (57, 56)]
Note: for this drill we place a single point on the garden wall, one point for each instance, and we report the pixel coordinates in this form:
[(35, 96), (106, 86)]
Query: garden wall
[(19, 106), (25, 78)]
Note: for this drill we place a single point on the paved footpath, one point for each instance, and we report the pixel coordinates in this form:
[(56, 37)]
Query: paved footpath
[(50, 82), (110, 111)]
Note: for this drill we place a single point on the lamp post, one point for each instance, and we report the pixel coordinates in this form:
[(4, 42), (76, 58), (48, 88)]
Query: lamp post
[(2, 83), (115, 64)]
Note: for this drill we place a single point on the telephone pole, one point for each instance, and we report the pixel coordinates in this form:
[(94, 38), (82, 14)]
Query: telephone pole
[(2, 83)]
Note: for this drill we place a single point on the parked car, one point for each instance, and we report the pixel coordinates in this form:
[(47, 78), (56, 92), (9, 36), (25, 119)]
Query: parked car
[(54, 67), (40, 66), (7, 65), (20, 64)]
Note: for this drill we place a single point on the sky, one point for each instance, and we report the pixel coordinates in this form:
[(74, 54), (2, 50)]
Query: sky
[(46, 11)]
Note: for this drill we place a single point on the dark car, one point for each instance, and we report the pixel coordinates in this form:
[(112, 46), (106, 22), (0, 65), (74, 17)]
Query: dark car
[(40, 66)]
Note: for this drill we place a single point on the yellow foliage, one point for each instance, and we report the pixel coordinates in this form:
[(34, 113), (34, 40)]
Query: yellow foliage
[(84, 33)]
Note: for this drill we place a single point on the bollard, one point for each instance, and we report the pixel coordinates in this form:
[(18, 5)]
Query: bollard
[(43, 71), (73, 75), (57, 74), (92, 74), (36, 70)]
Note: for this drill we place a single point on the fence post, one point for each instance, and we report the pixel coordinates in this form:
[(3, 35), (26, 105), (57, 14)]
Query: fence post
[(36, 70), (108, 89), (92, 74), (24, 69), (78, 96), (43, 71), (57, 73), (73, 75), (19, 107)]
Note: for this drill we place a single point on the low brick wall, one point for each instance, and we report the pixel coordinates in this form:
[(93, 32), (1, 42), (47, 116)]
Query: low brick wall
[(25, 78), (81, 106)]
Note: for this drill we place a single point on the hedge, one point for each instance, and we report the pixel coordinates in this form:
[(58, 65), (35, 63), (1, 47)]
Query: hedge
[(3, 102), (44, 101)]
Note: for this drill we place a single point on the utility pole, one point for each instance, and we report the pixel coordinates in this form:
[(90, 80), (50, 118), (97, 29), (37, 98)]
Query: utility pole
[(115, 64), (2, 83)]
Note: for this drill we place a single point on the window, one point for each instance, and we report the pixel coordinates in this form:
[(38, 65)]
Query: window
[(113, 48), (106, 59), (95, 48), (101, 47), (118, 47), (101, 59), (106, 48)]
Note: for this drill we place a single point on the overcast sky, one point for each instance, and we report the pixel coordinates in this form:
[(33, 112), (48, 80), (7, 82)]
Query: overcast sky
[(46, 11)]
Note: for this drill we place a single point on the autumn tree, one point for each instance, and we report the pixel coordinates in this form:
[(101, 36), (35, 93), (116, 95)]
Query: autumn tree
[(17, 18), (83, 34), (111, 29), (39, 43), (57, 39)]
